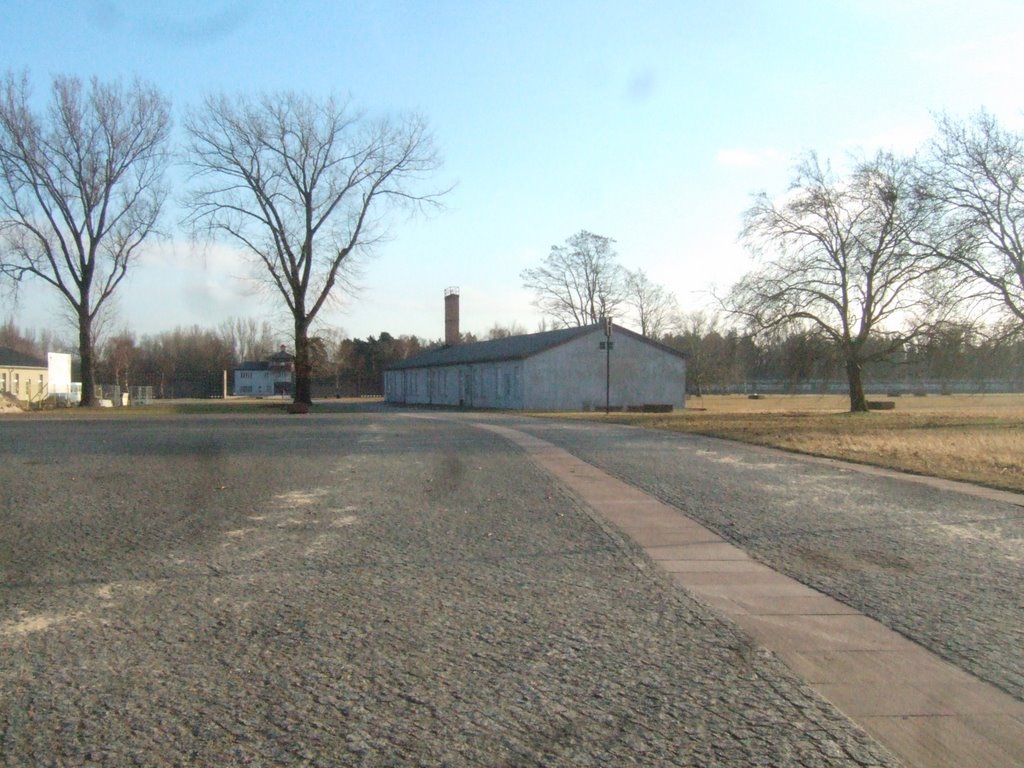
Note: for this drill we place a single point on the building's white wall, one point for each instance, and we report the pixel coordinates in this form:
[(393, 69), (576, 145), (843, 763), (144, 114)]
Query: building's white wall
[(496, 385), (572, 377), (645, 375), (483, 385), (569, 377), (24, 383), (259, 382)]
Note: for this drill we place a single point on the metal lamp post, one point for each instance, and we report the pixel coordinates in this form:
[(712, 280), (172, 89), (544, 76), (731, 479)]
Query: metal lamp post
[(607, 346)]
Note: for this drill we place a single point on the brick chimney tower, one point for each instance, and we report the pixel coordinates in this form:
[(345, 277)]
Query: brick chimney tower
[(451, 317)]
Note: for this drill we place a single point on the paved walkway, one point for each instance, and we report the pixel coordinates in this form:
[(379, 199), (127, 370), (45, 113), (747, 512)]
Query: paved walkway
[(927, 711)]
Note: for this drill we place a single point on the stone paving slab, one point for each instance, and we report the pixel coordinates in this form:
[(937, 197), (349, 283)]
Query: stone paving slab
[(768, 605), (950, 742), (806, 632), (927, 711)]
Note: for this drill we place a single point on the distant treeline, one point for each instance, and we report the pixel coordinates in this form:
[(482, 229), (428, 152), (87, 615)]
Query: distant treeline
[(190, 362), (947, 358)]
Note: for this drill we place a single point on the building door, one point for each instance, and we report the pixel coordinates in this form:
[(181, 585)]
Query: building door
[(466, 386)]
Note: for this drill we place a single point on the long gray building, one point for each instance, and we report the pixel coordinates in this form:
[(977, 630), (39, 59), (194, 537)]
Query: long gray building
[(562, 370)]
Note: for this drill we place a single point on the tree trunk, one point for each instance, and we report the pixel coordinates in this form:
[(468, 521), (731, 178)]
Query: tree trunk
[(303, 367), (88, 363), (858, 403)]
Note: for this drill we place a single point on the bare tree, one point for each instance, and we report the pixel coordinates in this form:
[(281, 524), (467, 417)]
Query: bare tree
[(977, 174), (695, 333), (499, 331), (303, 186), (81, 187), (844, 258), (579, 282), (338, 348), (654, 305), (120, 354), (23, 341), (250, 340)]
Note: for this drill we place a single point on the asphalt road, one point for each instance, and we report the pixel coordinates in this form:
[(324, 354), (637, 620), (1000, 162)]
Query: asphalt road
[(377, 589)]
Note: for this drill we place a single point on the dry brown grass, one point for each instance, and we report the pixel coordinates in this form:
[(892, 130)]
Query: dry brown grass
[(976, 438)]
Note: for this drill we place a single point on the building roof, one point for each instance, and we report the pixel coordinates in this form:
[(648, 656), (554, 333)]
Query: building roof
[(511, 348), (274, 362), (13, 359)]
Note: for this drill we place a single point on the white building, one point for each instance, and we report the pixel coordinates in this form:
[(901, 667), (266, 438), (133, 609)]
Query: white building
[(273, 376), (22, 376), (564, 370)]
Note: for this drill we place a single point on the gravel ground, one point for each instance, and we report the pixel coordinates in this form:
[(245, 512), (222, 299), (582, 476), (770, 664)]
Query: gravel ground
[(943, 568), (356, 589)]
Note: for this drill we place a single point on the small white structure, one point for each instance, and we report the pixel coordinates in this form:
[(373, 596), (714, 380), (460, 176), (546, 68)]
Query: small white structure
[(564, 370), (59, 376), (273, 376)]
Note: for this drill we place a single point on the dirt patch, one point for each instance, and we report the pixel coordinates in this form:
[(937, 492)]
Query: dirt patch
[(37, 623), (854, 560), (9, 405), (1011, 547)]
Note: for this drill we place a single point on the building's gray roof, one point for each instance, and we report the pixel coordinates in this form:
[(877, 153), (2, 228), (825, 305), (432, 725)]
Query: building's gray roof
[(14, 359), (509, 348)]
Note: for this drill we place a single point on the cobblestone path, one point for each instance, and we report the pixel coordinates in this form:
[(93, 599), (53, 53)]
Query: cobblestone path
[(359, 589)]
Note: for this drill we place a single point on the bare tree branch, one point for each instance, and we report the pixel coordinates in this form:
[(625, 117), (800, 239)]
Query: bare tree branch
[(976, 172), (653, 304), (81, 188), (853, 258), (579, 282), (303, 187)]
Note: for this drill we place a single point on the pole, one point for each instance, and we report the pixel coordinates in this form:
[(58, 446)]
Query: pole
[(607, 379), (607, 365)]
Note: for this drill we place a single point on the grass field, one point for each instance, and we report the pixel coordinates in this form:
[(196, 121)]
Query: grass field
[(976, 438)]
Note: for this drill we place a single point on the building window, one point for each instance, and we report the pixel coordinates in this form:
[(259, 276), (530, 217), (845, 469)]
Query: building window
[(3, 382), (16, 384)]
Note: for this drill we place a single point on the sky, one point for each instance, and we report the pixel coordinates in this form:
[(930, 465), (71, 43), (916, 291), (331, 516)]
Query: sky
[(652, 123)]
